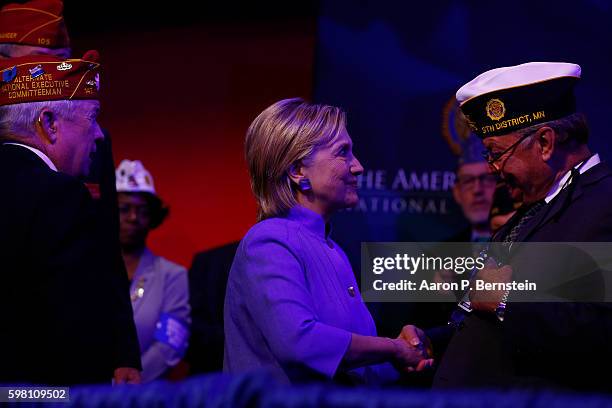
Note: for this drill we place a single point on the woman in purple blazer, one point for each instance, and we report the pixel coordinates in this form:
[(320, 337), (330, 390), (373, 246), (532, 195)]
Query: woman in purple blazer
[(158, 287), (292, 304)]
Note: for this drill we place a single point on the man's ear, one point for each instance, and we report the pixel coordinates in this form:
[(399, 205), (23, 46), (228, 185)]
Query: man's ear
[(296, 172), (546, 138), (47, 125)]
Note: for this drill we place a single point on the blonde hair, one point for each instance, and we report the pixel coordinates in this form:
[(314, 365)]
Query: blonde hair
[(284, 134)]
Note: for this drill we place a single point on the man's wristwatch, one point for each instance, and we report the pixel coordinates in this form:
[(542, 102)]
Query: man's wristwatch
[(501, 307)]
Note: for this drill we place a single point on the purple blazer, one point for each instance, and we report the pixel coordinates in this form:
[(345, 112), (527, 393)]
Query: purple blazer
[(292, 302)]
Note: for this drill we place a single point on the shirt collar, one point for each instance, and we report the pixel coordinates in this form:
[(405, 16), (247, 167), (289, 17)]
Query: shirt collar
[(563, 182), (37, 152), (313, 221)]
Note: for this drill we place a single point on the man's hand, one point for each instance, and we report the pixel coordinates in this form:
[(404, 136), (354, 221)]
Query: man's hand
[(488, 300), (126, 375)]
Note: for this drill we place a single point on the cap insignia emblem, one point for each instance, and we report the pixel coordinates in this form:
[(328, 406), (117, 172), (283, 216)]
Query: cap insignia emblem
[(9, 74), (64, 66), (495, 109), (36, 71)]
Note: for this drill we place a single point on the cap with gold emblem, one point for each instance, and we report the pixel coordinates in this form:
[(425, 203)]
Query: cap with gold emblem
[(507, 99), (38, 23), (37, 78)]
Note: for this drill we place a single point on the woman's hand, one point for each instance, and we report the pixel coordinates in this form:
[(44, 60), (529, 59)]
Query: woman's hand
[(415, 338)]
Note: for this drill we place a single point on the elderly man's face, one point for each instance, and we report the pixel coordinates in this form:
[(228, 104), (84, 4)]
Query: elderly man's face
[(77, 137), (521, 165), (474, 190)]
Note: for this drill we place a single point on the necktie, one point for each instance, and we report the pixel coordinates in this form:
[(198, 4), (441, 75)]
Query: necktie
[(530, 212)]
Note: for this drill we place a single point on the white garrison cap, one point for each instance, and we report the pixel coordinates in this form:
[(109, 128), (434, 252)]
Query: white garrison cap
[(506, 99), (132, 177), (517, 75)]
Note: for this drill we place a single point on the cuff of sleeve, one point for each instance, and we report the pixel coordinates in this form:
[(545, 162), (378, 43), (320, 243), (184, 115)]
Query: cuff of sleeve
[(327, 349)]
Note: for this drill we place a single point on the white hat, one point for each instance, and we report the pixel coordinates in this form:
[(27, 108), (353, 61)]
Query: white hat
[(132, 177), (506, 99), (517, 75)]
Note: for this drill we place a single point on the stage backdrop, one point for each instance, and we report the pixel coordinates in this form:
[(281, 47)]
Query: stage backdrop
[(180, 98), (395, 67)]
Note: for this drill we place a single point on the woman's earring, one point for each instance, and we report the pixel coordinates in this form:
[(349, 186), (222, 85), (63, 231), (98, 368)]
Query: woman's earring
[(305, 184)]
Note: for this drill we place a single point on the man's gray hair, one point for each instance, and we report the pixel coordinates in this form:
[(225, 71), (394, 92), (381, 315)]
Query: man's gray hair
[(18, 121), (569, 128)]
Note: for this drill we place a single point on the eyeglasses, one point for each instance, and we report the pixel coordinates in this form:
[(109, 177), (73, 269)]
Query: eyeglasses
[(468, 182), (492, 157)]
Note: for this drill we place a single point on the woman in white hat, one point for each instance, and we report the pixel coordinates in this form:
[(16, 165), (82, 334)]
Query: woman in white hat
[(159, 288)]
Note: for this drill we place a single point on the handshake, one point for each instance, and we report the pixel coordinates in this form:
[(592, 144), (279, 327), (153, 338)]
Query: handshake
[(410, 351), (413, 350)]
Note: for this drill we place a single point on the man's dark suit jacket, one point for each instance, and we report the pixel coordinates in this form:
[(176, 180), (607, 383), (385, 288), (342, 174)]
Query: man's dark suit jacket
[(207, 283), (68, 317), (544, 344)]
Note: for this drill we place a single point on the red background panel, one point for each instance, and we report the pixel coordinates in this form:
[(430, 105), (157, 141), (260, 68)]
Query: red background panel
[(180, 100)]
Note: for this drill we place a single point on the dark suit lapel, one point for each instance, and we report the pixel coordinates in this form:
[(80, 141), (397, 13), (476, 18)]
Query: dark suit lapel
[(554, 208), (548, 212)]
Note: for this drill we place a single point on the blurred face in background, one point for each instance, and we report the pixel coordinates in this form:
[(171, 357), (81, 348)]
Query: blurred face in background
[(134, 219), (473, 191)]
